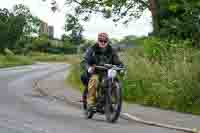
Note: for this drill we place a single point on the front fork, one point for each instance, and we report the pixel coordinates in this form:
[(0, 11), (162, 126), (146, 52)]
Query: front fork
[(109, 88)]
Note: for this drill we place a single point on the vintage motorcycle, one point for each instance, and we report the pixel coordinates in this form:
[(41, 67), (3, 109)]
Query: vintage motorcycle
[(109, 93)]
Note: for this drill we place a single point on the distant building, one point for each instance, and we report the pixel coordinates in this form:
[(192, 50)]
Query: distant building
[(46, 29), (43, 28), (51, 32)]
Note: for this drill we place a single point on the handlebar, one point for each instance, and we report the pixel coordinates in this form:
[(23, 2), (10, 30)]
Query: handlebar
[(109, 66)]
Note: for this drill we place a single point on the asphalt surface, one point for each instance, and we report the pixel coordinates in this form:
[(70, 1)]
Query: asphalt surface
[(21, 112)]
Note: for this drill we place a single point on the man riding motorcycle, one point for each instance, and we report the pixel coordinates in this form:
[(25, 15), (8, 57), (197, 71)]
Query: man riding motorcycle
[(99, 54)]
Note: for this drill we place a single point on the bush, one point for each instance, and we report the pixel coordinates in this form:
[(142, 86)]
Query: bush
[(69, 49), (40, 44), (23, 46)]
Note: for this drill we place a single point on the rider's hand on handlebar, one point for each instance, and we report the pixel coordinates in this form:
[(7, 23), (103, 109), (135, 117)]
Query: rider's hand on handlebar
[(120, 65), (91, 69)]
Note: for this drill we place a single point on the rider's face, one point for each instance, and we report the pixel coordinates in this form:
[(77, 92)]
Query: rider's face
[(102, 43)]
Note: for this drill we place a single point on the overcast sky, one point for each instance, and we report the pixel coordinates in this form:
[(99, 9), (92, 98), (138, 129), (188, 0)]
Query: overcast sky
[(96, 24)]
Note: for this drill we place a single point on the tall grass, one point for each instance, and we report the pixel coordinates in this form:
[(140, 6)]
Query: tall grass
[(73, 77), (171, 81)]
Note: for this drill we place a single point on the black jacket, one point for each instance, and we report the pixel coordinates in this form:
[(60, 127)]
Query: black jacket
[(94, 55)]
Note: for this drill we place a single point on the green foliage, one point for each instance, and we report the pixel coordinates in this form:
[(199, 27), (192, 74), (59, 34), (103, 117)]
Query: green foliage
[(15, 26), (171, 19), (69, 49), (3, 36), (66, 38), (14, 60), (12, 27), (38, 56), (123, 10), (23, 46), (32, 23), (179, 19), (75, 28), (43, 44), (8, 52), (83, 47), (155, 49), (40, 44), (73, 77), (128, 39), (169, 82)]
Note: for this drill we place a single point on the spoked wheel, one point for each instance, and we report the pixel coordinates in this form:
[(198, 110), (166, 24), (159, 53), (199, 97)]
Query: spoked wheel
[(113, 102)]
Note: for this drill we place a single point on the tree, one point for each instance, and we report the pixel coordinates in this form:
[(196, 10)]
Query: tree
[(4, 15), (41, 43), (172, 19), (65, 38), (12, 29), (4, 18), (15, 30), (32, 23), (119, 10), (179, 19), (16, 25), (75, 28)]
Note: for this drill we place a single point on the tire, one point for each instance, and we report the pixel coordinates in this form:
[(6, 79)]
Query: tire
[(112, 116)]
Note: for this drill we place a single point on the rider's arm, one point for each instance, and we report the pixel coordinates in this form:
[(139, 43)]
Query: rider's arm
[(87, 60)]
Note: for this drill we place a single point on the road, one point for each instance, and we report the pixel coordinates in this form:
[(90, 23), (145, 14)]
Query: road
[(21, 112)]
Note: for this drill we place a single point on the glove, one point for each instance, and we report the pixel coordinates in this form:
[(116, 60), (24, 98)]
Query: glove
[(90, 70), (121, 65)]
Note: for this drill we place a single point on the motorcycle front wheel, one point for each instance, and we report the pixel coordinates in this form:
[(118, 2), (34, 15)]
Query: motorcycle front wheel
[(113, 102)]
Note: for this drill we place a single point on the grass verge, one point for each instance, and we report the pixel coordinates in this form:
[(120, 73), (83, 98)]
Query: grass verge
[(73, 77), (14, 60), (45, 57)]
